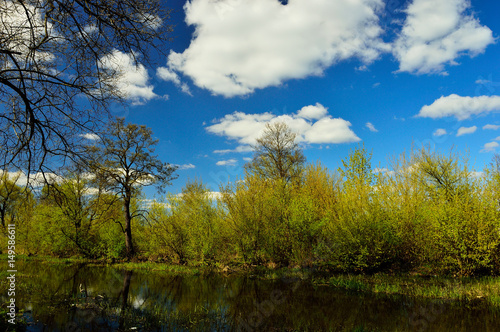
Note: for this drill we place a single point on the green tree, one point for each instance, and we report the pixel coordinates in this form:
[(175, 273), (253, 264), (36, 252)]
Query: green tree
[(442, 175), (188, 226), (11, 196), (277, 155), (357, 170), (124, 161), (81, 208), (17, 205)]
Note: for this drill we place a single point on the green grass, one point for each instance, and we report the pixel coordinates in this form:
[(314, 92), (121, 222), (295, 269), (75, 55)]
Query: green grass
[(150, 266), (471, 289), (460, 289)]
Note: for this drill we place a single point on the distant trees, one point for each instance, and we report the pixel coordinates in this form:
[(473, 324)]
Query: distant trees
[(429, 213), (80, 205), (277, 155), (259, 205), (187, 227), (53, 53), (357, 169), (441, 174), (124, 161)]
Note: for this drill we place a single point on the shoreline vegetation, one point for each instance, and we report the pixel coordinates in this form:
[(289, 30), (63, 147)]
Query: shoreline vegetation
[(429, 217), (475, 291)]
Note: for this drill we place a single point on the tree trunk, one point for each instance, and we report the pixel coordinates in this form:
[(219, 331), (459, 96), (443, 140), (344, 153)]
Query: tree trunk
[(128, 230)]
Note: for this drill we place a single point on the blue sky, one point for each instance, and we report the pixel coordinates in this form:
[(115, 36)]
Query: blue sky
[(388, 74)]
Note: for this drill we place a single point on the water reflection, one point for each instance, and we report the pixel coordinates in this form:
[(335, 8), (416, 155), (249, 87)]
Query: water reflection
[(82, 298)]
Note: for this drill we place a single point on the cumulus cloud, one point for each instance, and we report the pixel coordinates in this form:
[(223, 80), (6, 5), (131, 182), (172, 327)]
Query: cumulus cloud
[(239, 149), (133, 78), (239, 45), (312, 124), (185, 166), (35, 179), (315, 112), (26, 23), (90, 136), (460, 107), (490, 147), (384, 170), (230, 162), (371, 127), (435, 33), (490, 127), (466, 130), (439, 132), (167, 74), (476, 174)]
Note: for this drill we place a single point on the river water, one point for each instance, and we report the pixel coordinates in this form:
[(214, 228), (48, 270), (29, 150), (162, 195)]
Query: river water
[(84, 298)]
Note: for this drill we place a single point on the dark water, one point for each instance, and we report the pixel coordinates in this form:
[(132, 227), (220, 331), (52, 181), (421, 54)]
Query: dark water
[(81, 298)]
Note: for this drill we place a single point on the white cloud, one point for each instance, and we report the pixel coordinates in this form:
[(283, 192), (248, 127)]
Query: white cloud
[(239, 45), (239, 149), (435, 33), (246, 128), (490, 127), (133, 79), (439, 132), (185, 166), (475, 174), (35, 179), (25, 22), (490, 147), (371, 127), (167, 74), (460, 107), (466, 130), (213, 195), (330, 130), (384, 170), (90, 136), (313, 112), (483, 81), (230, 162)]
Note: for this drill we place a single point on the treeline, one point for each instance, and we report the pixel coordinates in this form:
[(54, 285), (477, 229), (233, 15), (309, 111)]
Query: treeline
[(429, 213)]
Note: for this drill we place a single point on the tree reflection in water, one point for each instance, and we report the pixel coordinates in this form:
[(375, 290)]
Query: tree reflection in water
[(110, 299)]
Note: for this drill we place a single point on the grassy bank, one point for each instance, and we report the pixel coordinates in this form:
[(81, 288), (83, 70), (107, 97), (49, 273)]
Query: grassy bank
[(485, 289), (476, 290)]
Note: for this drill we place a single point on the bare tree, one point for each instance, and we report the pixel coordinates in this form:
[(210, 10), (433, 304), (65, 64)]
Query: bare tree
[(55, 84), (124, 160), (277, 155)]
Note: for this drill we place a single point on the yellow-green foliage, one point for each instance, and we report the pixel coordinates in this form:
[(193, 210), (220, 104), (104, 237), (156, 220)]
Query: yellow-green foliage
[(362, 233), (312, 202), (255, 213), (187, 227), (428, 213)]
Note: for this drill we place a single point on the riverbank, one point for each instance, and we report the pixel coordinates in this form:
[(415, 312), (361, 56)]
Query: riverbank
[(476, 290)]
